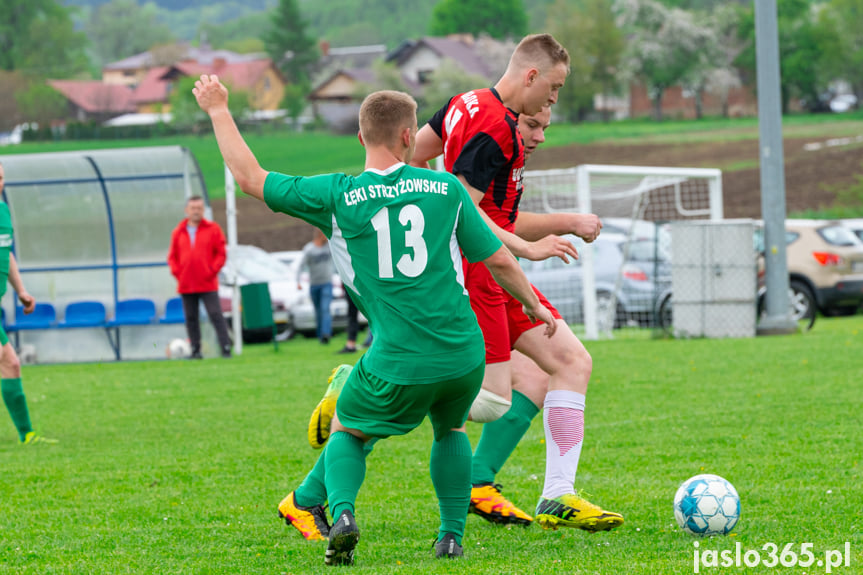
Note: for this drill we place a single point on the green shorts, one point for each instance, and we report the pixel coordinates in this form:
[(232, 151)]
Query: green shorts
[(4, 339), (381, 409)]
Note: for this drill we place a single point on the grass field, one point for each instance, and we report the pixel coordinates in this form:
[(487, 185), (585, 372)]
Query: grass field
[(177, 467), (313, 153)]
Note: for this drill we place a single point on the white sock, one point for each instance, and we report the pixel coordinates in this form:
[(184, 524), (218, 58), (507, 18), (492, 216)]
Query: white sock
[(563, 419)]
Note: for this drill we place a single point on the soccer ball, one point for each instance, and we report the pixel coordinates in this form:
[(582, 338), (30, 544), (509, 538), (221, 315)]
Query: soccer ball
[(178, 349), (706, 505)]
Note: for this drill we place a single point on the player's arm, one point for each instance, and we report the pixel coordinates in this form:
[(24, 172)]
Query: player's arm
[(27, 300), (548, 246), (428, 146), (212, 97), (532, 226), (509, 275)]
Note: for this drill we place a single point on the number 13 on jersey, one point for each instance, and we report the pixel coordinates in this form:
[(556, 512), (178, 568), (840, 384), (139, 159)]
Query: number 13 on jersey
[(412, 225)]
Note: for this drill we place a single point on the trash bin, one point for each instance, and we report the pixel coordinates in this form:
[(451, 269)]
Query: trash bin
[(257, 308)]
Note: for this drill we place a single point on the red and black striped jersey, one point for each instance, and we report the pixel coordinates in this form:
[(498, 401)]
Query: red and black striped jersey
[(481, 142)]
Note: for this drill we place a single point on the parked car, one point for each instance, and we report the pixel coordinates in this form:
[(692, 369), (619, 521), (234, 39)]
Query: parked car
[(302, 311), (253, 265), (825, 266), (632, 285), (855, 226)]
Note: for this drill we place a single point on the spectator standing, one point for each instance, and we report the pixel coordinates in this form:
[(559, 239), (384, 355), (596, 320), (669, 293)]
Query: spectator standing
[(319, 261), (196, 255)]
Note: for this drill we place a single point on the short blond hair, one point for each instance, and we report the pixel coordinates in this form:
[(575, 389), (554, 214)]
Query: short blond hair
[(539, 51), (384, 114)]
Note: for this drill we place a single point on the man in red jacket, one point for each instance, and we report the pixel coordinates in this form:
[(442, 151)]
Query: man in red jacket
[(196, 255)]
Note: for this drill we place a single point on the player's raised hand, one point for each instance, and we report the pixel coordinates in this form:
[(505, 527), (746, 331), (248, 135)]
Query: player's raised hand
[(542, 313), (28, 301), (551, 246), (210, 93), (587, 227)]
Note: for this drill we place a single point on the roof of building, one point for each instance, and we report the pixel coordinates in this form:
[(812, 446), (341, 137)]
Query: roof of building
[(203, 55), (95, 97), (462, 49), (238, 75)]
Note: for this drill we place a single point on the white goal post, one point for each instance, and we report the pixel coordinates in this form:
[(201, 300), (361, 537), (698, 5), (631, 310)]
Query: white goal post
[(630, 196)]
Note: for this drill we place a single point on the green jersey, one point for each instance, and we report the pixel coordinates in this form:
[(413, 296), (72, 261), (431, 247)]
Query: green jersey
[(395, 237), (5, 245)]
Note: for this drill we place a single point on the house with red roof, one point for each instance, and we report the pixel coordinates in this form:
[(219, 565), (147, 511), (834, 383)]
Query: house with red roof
[(139, 84), (93, 100)]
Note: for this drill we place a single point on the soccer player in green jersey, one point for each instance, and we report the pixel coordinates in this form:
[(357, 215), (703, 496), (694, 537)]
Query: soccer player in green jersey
[(10, 366), (395, 233)]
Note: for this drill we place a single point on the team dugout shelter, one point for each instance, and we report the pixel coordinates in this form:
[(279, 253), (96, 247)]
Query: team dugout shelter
[(92, 232)]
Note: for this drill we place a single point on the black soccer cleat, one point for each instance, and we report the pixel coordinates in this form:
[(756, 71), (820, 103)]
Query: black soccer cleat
[(447, 548), (344, 535)]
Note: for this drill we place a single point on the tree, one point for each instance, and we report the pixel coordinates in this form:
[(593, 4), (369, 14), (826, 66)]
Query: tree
[(291, 48), (448, 80), (595, 45), (54, 49), (842, 25), (122, 28), (498, 18), (29, 27), (41, 103), (801, 58), (664, 46)]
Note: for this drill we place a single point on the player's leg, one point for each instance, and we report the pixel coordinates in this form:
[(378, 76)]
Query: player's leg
[(217, 318), (322, 416), (451, 458), (368, 407), (193, 326), (12, 390), (499, 439), (569, 364), (303, 508)]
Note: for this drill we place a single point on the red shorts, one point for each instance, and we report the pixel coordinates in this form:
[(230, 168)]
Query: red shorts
[(500, 315)]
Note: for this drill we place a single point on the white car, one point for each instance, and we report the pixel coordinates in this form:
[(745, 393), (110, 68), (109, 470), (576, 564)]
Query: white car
[(302, 310)]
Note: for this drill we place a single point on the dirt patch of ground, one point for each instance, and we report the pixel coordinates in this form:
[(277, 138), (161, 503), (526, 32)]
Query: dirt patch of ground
[(807, 174)]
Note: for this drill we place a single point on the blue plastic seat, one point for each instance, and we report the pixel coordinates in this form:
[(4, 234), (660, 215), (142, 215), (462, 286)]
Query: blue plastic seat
[(173, 311), (43, 317), (134, 312), (84, 314)]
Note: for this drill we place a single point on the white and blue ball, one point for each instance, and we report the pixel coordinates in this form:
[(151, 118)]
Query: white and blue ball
[(706, 505)]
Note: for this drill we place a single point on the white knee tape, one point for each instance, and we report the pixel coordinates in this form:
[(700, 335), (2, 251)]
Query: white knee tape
[(488, 406)]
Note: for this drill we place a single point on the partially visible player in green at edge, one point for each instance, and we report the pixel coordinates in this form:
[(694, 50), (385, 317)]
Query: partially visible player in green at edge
[(10, 366), (395, 233)]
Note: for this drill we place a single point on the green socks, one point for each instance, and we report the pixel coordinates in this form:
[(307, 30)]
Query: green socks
[(312, 491), (500, 437), (450, 475), (16, 403), (345, 471)]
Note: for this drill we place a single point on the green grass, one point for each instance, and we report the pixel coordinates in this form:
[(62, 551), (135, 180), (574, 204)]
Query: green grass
[(177, 467), (313, 153)]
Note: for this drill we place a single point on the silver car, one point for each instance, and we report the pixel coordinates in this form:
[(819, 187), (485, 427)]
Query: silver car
[(634, 284)]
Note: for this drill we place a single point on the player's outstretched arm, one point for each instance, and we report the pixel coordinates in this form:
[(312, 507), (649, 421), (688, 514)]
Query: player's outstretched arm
[(506, 272), (212, 97), (531, 226), (27, 300), (549, 246)]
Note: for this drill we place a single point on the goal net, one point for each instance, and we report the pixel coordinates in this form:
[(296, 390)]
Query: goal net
[(621, 279)]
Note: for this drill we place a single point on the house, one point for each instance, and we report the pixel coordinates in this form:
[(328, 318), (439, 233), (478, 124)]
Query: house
[(679, 103), (335, 95), (258, 78), (93, 100), (139, 85), (418, 59)]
